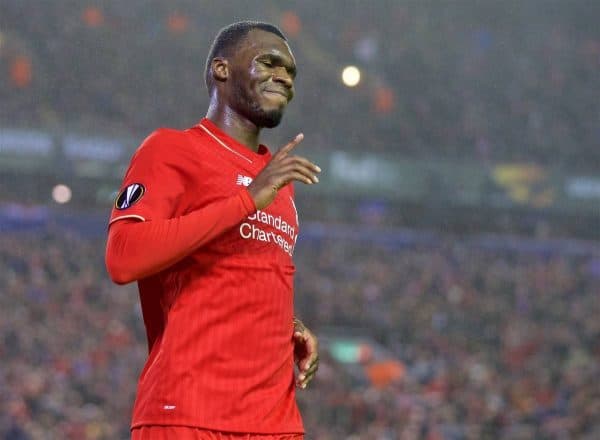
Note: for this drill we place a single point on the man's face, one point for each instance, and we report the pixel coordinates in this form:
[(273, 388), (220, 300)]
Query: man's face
[(261, 82)]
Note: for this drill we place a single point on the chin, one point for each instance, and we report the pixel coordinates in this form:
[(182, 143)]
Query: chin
[(268, 118)]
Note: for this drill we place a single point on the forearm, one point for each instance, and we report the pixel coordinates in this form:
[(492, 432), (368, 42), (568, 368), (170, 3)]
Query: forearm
[(136, 249)]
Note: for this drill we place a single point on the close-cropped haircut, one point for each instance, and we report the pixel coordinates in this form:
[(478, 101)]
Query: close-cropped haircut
[(228, 38)]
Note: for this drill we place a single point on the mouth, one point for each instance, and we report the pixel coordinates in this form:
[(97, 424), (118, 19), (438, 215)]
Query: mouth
[(280, 93)]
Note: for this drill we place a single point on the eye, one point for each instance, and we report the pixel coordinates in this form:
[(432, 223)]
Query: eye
[(267, 63)]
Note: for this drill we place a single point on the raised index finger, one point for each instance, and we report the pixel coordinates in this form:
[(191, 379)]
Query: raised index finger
[(290, 145)]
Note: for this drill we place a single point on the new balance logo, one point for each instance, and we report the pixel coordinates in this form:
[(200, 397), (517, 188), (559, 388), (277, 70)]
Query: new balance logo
[(243, 180)]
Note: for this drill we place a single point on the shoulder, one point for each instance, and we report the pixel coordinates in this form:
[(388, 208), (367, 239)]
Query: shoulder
[(163, 143), (164, 138)]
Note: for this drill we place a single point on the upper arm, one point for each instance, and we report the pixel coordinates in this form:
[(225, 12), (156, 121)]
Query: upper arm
[(155, 181)]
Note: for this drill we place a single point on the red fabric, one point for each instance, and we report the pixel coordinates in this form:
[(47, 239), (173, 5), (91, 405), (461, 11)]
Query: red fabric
[(136, 250), (216, 285), (187, 433)]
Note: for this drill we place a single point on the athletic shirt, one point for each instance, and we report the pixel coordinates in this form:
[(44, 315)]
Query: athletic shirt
[(219, 322)]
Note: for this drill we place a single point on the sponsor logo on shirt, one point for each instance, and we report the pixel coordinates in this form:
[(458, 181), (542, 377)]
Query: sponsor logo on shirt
[(129, 196), (243, 180), (285, 237)]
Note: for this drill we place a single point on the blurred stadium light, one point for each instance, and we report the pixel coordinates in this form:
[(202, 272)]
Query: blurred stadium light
[(351, 76)]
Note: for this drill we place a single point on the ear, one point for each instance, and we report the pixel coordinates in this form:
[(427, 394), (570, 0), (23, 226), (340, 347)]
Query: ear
[(220, 69)]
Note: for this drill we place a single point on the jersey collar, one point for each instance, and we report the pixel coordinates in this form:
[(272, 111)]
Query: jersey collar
[(230, 144)]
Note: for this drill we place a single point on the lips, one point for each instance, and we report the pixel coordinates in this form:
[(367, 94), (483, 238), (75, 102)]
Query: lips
[(278, 92)]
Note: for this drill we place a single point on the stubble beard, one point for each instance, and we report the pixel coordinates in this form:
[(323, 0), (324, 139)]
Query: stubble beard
[(251, 110)]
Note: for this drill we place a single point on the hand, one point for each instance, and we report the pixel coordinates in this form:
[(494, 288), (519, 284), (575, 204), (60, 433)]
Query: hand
[(281, 170), (306, 353)]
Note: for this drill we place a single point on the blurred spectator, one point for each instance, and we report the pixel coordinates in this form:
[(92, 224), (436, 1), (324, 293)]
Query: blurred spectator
[(93, 16), (490, 343), (494, 81), (20, 71)]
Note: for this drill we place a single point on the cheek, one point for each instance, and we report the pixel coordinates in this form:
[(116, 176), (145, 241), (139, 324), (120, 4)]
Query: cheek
[(256, 74)]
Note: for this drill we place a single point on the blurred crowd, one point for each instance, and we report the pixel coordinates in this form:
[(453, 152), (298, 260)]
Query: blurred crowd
[(70, 342), (487, 81), (496, 344)]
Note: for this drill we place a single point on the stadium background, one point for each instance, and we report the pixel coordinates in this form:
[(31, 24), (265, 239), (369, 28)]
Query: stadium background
[(449, 259)]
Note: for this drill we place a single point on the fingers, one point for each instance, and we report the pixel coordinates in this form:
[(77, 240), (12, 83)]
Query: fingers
[(294, 168), (307, 374), (310, 344), (302, 162), (284, 151), (308, 175), (300, 335), (309, 363), (287, 165), (284, 178), (281, 170)]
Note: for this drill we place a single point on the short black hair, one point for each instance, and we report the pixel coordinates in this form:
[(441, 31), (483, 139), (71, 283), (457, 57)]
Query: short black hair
[(230, 36)]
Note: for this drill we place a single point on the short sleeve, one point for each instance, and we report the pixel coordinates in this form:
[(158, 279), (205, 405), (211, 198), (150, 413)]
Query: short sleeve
[(154, 183)]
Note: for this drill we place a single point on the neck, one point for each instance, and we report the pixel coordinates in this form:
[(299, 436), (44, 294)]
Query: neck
[(236, 126)]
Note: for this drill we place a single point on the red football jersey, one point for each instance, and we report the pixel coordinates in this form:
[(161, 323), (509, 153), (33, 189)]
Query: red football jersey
[(220, 321)]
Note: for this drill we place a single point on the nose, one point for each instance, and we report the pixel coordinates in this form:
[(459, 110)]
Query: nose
[(282, 76)]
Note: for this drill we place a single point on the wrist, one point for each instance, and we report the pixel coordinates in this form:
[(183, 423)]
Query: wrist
[(248, 201), (298, 325)]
